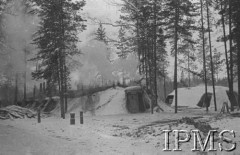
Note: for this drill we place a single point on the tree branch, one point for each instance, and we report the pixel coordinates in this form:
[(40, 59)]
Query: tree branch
[(97, 21), (132, 6)]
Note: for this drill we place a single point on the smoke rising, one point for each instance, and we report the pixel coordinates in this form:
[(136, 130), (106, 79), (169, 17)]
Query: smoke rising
[(96, 65)]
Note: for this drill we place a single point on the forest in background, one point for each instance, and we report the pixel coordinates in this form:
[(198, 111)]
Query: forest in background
[(152, 30)]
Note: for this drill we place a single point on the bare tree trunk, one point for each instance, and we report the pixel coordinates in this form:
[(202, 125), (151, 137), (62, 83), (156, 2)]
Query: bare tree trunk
[(146, 65), (143, 59), (150, 72), (204, 57), (211, 57), (25, 76), (44, 87), (61, 88), (59, 67), (176, 53), (61, 63), (155, 53), (231, 58), (34, 92), (66, 89), (138, 45), (225, 45), (189, 79), (16, 89), (149, 65), (164, 82), (238, 68)]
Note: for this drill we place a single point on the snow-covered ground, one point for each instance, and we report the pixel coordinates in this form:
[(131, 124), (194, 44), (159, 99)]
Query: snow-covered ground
[(115, 134), (109, 130)]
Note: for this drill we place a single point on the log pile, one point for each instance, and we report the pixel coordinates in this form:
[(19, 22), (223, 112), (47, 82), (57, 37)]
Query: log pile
[(14, 112)]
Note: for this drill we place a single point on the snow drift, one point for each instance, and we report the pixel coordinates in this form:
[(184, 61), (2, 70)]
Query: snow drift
[(108, 102)]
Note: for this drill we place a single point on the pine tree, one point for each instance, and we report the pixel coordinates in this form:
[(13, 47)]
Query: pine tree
[(211, 57), (145, 18), (162, 62), (225, 9), (203, 50), (101, 34), (236, 37), (56, 40), (149, 16), (221, 6), (232, 97), (3, 45), (179, 28), (189, 58), (123, 44)]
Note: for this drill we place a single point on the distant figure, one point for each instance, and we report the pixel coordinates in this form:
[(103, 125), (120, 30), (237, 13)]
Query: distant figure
[(0, 104)]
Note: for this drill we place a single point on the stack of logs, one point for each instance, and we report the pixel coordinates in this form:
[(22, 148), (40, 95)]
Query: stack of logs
[(14, 112)]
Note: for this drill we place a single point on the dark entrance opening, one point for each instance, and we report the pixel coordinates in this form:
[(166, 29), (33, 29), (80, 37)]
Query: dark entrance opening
[(233, 99), (135, 103), (203, 102), (169, 99), (132, 103)]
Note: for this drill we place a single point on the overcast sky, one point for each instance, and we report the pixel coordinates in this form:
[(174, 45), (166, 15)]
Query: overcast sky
[(102, 10)]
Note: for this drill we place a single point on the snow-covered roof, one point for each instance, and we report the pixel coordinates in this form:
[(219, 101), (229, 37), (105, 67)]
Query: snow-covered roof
[(191, 96), (133, 88)]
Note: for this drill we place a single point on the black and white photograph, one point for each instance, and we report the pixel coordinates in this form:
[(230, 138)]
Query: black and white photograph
[(119, 77)]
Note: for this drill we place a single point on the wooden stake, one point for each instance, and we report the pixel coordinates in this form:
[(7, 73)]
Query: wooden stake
[(81, 117), (39, 115), (72, 118)]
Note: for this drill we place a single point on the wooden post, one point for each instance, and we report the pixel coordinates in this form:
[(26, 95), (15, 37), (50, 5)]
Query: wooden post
[(41, 86), (39, 115), (34, 92), (72, 118), (65, 101), (81, 117)]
